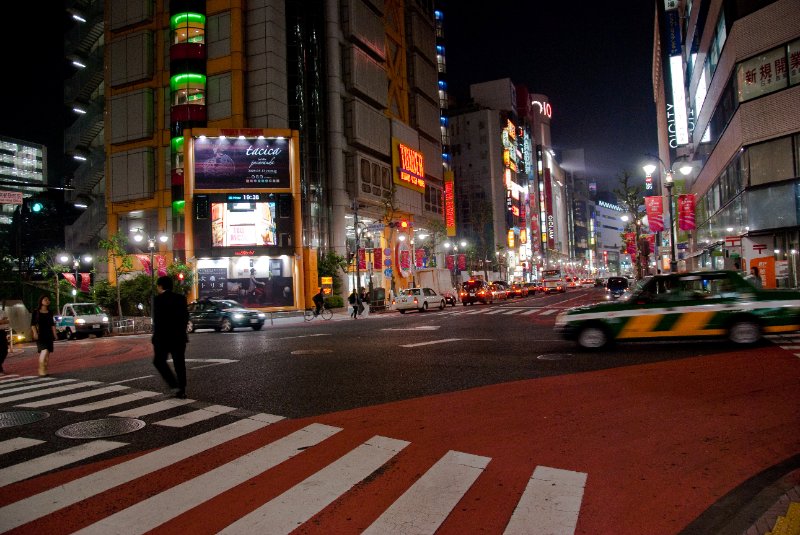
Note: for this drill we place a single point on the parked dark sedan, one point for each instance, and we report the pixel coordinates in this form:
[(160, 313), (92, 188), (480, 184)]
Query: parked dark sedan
[(223, 315)]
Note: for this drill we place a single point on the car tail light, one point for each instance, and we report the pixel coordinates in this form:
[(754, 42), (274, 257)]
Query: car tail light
[(415, 301)]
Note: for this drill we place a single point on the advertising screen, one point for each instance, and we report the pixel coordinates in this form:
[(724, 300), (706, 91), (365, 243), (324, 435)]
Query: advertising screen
[(235, 224), (241, 163)]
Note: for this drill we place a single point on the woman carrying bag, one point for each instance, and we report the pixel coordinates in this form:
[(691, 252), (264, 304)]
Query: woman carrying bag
[(44, 332)]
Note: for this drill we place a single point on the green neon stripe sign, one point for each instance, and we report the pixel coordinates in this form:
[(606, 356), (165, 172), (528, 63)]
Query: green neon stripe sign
[(180, 80), (182, 19)]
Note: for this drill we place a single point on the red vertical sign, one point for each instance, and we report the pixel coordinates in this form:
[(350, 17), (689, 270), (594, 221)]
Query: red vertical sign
[(377, 258), (655, 213), (462, 261), (686, 219), (419, 255), (450, 262), (362, 259)]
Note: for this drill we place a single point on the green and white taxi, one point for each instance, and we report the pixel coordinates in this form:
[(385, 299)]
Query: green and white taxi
[(701, 304)]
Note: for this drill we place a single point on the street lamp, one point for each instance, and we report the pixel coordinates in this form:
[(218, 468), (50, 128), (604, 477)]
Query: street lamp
[(684, 169), (65, 259), (140, 237)]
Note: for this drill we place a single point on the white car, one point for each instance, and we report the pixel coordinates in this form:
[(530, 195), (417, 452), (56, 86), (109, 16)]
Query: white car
[(417, 299)]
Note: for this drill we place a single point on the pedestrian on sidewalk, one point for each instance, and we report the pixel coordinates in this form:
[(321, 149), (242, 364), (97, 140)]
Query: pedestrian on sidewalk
[(354, 302), (44, 332), (170, 316), (4, 326)]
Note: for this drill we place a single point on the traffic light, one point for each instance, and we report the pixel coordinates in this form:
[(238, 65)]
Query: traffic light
[(37, 207), (180, 276)]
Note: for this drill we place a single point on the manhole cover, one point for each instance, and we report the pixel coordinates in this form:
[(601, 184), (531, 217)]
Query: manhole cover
[(104, 427), (311, 351), (13, 418), (554, 356)]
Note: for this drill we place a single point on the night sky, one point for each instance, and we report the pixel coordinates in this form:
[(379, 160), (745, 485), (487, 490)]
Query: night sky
[(592, 59)]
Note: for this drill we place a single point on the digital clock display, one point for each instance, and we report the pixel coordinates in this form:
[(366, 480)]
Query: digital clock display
[(244, 197)]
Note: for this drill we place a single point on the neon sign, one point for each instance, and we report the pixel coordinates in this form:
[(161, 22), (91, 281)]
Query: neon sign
[(544, 108), (409, 170)]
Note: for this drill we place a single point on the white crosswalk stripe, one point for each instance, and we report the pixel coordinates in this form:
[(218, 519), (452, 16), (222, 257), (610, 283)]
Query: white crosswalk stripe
[(19, 443), (550, 503), (74, 397), (27, 386), (295, 506), (425, 505), (196, 416), (153, 512), (47, 391), (37, 466)]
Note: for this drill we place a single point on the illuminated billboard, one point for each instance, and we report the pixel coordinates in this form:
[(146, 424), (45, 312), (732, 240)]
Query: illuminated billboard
[(449, 203), (408, 167), (241, 163)]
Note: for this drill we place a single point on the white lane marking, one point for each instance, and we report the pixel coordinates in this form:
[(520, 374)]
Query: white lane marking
[(513, 311), (298, 504), (153, 408), (443, 341), (131, 380), (48, 391), (531, 311), (420, 328), (74, 397), (424, 506), (49, 501), (789, 347), (196, 416), (303, 336), (496, 311), (209, 362), (548, 312), (14, 444), (550, 504), (29, 386), (7, 381), (155, 511), (113, 402), (9, 377), (45, 463)]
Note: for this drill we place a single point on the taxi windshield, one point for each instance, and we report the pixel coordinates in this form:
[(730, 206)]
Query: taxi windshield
[(87, 309)]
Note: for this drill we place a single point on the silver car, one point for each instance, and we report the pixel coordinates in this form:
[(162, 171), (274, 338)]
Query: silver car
[(417, 299)]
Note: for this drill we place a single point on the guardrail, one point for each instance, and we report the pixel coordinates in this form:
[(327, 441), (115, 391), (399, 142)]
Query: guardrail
[(137, 325)]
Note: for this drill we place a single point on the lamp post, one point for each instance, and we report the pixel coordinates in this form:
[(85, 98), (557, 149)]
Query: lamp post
[(65, 259), (668, 183), (139, 237)]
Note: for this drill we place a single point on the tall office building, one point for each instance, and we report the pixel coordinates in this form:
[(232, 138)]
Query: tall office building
[(320, 117), (726, 81)]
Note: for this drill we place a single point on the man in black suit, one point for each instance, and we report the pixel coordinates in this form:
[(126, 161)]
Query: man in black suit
[(170, 315)]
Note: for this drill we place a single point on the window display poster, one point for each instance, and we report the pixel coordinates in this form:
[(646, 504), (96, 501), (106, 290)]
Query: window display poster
[(212, 282), (762, 74), (241, 163), (236, 224)]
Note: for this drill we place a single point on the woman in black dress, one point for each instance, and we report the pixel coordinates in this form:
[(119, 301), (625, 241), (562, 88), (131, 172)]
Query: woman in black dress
[(44, 332)]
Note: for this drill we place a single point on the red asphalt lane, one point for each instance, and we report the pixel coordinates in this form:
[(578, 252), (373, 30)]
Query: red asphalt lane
[(660, 444)]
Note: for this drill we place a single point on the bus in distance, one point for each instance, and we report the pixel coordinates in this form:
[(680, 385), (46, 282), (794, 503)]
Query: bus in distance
[(553, 281)]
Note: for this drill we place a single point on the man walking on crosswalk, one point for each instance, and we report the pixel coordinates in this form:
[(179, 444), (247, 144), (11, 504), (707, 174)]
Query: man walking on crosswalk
[(170, 316)]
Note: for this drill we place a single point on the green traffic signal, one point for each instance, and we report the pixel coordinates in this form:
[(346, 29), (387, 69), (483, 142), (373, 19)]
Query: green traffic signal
[(37, 207)]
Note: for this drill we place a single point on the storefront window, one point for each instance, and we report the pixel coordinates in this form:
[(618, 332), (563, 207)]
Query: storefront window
[(771, 161), (772, 207)]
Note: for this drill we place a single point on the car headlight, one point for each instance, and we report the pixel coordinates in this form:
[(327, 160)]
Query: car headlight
[(261, 315), (238, 316), (80, 321), (105, 319)]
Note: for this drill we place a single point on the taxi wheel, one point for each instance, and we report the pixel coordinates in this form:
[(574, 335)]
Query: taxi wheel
[(190, 326), (424, 307), (441, 305), (401, 311), (227, 326), (592, 337), (744, 332)]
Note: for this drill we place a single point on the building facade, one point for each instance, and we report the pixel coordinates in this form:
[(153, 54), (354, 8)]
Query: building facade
[(726, 82), (328, 109)]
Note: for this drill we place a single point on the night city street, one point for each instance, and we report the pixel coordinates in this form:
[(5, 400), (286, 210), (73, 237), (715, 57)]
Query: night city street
[(481, 401)]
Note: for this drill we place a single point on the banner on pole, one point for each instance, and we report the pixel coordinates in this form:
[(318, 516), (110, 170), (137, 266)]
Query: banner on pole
[(686, 206), (655, 212)]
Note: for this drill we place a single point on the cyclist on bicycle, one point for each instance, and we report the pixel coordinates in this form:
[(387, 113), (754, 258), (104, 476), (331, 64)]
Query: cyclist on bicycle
[(319, 300)]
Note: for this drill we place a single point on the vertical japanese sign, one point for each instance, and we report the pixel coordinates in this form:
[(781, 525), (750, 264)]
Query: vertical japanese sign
[(548, 201), (377, 258), (462, 262), (362, 259)]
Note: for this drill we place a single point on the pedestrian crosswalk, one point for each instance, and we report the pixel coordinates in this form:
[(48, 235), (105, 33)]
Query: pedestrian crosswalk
[(336, 462), (499, 311), (788, 341)]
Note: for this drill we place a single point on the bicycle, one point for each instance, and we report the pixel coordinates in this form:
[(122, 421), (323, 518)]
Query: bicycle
[(311, 313)]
